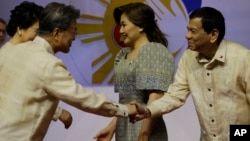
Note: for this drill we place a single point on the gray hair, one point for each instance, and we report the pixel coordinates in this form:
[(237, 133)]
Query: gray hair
[(57, 15)]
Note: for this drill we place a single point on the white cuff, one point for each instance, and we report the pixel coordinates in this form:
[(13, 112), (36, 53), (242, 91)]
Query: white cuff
[(122, 111), (57, 113)]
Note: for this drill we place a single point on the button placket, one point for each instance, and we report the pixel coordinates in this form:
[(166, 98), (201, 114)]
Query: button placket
[(210, 101)]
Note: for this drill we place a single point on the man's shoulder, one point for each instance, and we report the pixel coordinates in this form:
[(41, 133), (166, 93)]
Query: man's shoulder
[(27, 44), (235, 48), (232, 44), (35, 50)]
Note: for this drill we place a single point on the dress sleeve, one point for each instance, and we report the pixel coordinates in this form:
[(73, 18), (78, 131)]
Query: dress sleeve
[(155, 68), (177, 92)]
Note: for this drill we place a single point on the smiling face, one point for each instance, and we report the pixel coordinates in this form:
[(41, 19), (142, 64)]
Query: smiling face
[(129, 31), (198, 39)]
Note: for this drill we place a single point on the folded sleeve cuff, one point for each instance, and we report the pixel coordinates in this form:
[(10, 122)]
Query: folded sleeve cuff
[(122, 111), (57, 114), (154, 110)]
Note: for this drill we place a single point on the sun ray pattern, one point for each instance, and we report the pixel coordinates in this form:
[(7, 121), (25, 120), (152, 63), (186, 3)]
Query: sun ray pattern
[(104, 28)]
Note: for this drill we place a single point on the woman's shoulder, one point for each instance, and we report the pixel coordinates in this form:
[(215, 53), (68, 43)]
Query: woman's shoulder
[(155, 45), (154, 48)]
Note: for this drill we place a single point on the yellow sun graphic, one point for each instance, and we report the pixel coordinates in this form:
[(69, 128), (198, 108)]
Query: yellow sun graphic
[(107, 26)]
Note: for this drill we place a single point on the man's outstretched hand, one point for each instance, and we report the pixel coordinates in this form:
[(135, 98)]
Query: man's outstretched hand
[(141, 112)]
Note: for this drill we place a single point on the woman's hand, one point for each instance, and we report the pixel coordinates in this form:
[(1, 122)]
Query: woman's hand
[(104, 135), (107, 133)]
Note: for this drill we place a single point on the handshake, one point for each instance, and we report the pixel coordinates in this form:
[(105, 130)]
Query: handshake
[(137, 112)]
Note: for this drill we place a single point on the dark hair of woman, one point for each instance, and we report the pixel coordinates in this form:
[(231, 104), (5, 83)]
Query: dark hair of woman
[(142, 16), (23, 16)]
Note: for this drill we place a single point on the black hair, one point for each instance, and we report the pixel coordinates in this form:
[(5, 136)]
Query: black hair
[(23, 16), (57, 15), (211, 19), (142, 16)]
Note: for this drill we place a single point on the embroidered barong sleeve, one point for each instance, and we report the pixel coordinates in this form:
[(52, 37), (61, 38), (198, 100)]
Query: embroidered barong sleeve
[(60, 84)]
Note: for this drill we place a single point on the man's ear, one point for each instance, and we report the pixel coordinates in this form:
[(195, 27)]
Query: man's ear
[(56, 33), (214, 35)]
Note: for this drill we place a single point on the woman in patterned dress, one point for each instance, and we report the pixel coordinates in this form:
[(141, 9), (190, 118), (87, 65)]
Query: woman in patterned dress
[(143, 72)]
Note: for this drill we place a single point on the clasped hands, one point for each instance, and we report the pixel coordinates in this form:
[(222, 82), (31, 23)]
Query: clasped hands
[(137, 112)]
